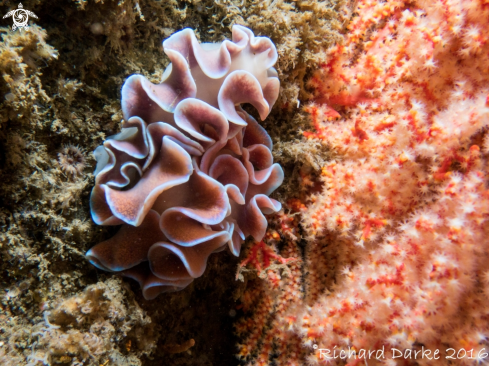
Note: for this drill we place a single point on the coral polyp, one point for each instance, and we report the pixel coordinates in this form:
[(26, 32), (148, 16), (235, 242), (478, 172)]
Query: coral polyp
[(72, 160)]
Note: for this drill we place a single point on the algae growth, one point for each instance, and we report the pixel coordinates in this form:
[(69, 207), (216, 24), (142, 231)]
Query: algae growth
[(59, 99)]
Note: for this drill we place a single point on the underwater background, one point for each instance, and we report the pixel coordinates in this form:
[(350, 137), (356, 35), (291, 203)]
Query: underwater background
[(380, 127), (60, 98)]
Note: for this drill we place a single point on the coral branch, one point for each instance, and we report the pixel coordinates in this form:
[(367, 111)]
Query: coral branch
[(260, 256)]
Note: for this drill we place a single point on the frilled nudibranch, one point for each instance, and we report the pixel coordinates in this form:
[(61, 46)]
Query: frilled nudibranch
[(190, 171)]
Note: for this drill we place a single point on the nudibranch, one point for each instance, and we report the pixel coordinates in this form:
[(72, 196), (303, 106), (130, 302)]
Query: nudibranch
[(191, 172)]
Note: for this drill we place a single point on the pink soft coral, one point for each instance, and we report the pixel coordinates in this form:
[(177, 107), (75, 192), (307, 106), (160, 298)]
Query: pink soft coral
[(398, 236), (407, 202), (191, 170)]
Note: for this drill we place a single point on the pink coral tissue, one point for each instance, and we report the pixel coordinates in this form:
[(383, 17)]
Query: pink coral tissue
[(191, 171)]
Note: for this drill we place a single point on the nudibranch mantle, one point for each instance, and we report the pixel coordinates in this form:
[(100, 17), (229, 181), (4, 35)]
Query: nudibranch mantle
[(191, 172)]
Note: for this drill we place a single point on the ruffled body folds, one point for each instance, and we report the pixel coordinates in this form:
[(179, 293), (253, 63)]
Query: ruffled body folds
[(191, 172)]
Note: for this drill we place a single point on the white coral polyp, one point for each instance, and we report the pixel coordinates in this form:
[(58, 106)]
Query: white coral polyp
[(190, 171)]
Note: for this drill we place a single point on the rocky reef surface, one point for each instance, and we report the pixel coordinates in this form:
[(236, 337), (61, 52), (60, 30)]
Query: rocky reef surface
[(59, 99)]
